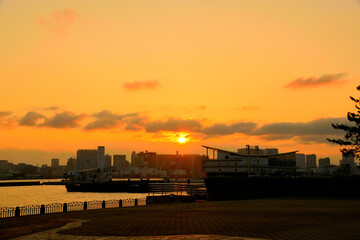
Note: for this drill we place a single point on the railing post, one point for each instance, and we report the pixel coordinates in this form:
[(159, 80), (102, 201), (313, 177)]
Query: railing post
[(85, 205), (42, 209), (120, 203), (103, 204), (136, 202), (17, 212), (65, 207)]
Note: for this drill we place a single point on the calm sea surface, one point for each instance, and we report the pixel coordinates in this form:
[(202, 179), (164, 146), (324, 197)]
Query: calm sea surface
[(44, 194)]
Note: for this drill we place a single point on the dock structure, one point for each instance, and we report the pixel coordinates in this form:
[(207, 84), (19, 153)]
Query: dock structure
[(195, 189)]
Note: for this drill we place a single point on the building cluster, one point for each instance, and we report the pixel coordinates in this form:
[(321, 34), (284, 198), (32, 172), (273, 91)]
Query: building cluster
[(307, 164), (168, 165), (10, 170), (255, 161), (145, 164), (245, 161), (308, 161)]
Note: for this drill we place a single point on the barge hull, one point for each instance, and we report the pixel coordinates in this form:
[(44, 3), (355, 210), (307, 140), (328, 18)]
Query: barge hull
[(131, 187)]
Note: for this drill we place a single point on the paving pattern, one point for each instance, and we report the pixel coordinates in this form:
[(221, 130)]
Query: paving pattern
[(54, 235), (260, 219)]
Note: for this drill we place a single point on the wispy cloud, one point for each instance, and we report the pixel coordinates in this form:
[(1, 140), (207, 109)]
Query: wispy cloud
[(227, 129), (63, 120), (59, 20), (315, 130), (324, 80), (140, 85), (5, 113), (106, 119), (31, 119), (135, 123), (248, 108), (6, 120), (50, 108), (174, 125)]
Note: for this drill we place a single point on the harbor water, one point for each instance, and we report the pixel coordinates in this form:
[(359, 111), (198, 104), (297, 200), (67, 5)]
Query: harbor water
[(45, 194)]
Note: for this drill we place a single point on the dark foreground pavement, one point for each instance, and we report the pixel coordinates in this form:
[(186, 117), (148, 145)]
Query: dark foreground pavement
[(267, 218)]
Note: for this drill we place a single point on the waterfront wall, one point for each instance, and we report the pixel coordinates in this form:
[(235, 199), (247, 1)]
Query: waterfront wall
[(15, 184)]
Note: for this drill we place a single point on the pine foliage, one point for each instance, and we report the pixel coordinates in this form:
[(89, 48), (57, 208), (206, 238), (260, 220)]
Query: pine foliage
[(351, 141)]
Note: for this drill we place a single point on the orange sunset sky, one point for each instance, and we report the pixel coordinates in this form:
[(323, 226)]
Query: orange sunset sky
[(139, 75)]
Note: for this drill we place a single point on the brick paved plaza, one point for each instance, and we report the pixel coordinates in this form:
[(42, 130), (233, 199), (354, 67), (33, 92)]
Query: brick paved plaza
[(266, 218)]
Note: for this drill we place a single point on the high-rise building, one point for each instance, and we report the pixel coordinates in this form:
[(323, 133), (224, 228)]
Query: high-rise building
[(324, 162), (271, 151), (151, 159), (311, 161), (137, 159), (44, 170), (55, 162), (146, 158), (86, 158), (107, 160), (101, 157), (119, 161), (71, 164), (266, 151), (348, 159), (3, 165), (300, 160)]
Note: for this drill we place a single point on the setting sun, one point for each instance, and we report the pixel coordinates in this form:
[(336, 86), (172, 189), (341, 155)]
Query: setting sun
[(182, 140)]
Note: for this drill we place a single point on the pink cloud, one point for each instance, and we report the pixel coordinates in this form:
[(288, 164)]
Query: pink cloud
[(59, 20), (139, 85), (323, 80)]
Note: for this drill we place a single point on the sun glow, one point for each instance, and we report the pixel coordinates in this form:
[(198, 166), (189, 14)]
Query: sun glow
[(182, 140), (182, 137)]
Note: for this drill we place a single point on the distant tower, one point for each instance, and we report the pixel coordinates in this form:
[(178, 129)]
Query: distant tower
[(86, 159), (55, 162), (311, 161), (300, 160), (120, 162), (348, 159), (101, 157), (324, 162), (107, 160)]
